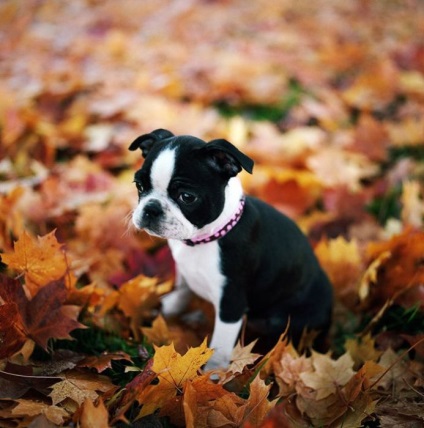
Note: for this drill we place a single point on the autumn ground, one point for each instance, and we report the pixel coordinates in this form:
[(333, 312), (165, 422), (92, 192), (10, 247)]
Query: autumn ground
[(326, 96)]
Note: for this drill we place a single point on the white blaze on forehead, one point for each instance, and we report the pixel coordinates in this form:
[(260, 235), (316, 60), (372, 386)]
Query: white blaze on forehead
[(162, 170)]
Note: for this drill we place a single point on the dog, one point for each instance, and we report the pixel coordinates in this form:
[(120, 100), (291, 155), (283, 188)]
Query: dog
[(233, 250)]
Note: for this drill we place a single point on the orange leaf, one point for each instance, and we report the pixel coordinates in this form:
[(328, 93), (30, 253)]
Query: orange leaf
[(400, 274), (42, 260), (93, 416), (257, 405)]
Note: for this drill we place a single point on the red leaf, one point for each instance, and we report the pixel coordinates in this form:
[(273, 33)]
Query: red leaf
[(40, 319)]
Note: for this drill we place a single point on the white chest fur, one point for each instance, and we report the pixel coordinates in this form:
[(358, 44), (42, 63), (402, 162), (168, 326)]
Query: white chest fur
[(199, 266)]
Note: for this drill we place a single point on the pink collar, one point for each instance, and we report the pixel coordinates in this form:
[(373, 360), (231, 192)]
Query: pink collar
[(221, 232)]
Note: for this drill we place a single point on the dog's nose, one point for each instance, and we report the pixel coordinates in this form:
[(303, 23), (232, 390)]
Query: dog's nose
[(152, 210)]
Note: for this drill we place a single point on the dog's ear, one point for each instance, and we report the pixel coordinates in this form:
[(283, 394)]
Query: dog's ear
[(227, 158), (146, 141)]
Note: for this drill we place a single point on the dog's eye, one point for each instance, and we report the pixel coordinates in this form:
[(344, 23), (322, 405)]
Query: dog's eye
[(139, 186), (187, 198)]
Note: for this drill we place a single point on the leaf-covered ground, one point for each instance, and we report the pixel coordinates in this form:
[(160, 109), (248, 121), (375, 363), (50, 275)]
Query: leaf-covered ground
[(326, 96)]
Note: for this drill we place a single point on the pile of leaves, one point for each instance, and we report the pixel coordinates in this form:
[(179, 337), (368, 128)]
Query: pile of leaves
[(327, 97)]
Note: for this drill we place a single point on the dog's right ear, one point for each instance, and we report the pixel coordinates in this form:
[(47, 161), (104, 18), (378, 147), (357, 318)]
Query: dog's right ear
[(146, 141)]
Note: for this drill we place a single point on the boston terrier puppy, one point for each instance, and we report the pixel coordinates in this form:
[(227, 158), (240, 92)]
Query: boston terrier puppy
[(235, 251)]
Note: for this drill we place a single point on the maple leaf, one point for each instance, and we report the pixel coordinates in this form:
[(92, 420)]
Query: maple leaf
[(172, 370), (136, 298), (79, 386), (328, 374), (362, 349), (53, 413), (341, 260), (288, 370), (400, 275), (198, 400), (42, 260), (257, 405), (104, 361), (41, 318), (242, 356), (158, 333)]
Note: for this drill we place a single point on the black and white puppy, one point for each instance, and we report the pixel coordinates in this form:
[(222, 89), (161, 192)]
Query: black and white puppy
[(233, 250)]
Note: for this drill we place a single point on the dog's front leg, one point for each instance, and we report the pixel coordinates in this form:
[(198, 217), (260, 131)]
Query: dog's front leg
[(176, 301), (224, 338)]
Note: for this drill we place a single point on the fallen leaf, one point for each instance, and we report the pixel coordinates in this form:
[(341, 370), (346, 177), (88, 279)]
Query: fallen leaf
[(79, 386), (401, 275), (342, 262), (362, 349), (351, 169), (104, 361), (257, 406), (172, 370), (42, 318), (53, 413), (158, 333), (41, 260), (328, 374), (242, 356)]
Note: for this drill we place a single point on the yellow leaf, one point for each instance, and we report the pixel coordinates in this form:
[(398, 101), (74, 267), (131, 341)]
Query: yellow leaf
[(173, 370), (362, 349), (341, 260), (158, 333)]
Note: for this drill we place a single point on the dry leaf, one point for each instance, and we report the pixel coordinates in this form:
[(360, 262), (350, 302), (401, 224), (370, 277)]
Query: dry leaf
[(328, 374), (42, 260), (172, 370), (242, 356), (79, 386)]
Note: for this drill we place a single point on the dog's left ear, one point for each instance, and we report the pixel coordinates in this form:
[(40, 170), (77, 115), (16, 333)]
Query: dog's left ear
[(145, 142), (227, 158)]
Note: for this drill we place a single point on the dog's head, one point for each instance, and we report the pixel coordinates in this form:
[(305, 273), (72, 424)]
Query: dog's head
[(186, 185)]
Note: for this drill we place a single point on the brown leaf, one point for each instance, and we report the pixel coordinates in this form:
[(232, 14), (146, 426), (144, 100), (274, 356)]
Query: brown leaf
[(257, 405), (79, 386), (103, 361), (328, 374), (53, 413), (242, 356)]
